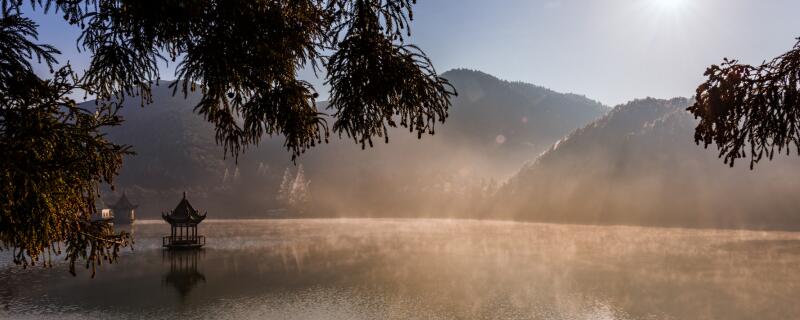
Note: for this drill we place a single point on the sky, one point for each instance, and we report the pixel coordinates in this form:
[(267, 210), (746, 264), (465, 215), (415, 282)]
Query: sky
[(612, 51)]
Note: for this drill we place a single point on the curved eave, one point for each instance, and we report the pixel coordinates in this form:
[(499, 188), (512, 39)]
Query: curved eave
[(193, 218), (198, 218)]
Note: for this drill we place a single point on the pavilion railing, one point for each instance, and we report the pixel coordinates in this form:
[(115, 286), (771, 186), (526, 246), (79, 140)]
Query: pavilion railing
[(183, 240)]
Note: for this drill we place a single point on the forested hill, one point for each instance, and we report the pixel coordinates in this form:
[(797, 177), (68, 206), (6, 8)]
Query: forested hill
[(640, 165), (494, 127), (529, 117)]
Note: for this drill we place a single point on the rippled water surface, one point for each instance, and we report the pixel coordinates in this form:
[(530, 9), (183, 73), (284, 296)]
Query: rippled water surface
[(424, 269)]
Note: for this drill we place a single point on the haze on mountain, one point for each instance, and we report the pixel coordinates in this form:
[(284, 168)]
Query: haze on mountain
[(495, 126), (638, 165)]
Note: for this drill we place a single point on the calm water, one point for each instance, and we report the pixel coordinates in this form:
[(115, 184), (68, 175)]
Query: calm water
[(425, 269)]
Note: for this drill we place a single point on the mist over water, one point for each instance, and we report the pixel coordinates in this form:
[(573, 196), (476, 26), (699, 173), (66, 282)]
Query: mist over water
[(425, 269), (635, 165), (345, 177)]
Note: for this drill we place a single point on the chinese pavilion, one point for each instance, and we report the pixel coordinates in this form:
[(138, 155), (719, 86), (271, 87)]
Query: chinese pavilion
[(183, 221), (124, 211)]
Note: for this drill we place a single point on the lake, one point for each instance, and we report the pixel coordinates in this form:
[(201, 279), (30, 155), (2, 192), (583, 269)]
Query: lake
[(424, 269)]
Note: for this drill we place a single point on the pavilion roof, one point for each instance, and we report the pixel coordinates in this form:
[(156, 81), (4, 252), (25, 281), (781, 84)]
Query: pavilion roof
[(183, 213), (123, 204), (100, 204)]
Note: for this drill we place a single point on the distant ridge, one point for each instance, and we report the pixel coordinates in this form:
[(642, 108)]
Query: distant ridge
[(639, 165), (176, 151), (530, 117)]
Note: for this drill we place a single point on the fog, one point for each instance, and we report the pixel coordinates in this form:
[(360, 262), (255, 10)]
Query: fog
[(639, 165), (509, 151), (494, 127), (425, 269)]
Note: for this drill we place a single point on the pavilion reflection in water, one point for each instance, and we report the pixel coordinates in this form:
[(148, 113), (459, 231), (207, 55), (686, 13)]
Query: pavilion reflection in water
[(183, 272)]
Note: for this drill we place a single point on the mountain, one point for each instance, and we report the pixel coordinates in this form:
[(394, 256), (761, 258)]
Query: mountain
[(526, 118), (639, 165), (494, 127)]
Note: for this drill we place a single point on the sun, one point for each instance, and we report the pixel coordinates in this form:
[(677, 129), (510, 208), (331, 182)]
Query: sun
[(671, 5)]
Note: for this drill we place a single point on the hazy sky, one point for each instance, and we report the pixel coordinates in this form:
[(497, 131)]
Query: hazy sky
[(610, 50)]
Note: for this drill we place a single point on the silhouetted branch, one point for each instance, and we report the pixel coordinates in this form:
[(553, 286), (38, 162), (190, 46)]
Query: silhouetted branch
[(750, 111)]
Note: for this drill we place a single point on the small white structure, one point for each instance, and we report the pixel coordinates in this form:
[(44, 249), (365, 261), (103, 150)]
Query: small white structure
[(103, 213)]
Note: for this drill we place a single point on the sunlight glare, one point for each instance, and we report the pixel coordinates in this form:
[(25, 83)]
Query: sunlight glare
[(669, 4)]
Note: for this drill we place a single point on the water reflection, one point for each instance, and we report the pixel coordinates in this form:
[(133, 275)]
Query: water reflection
[(130, 228), (399, 269), (183, 272)]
